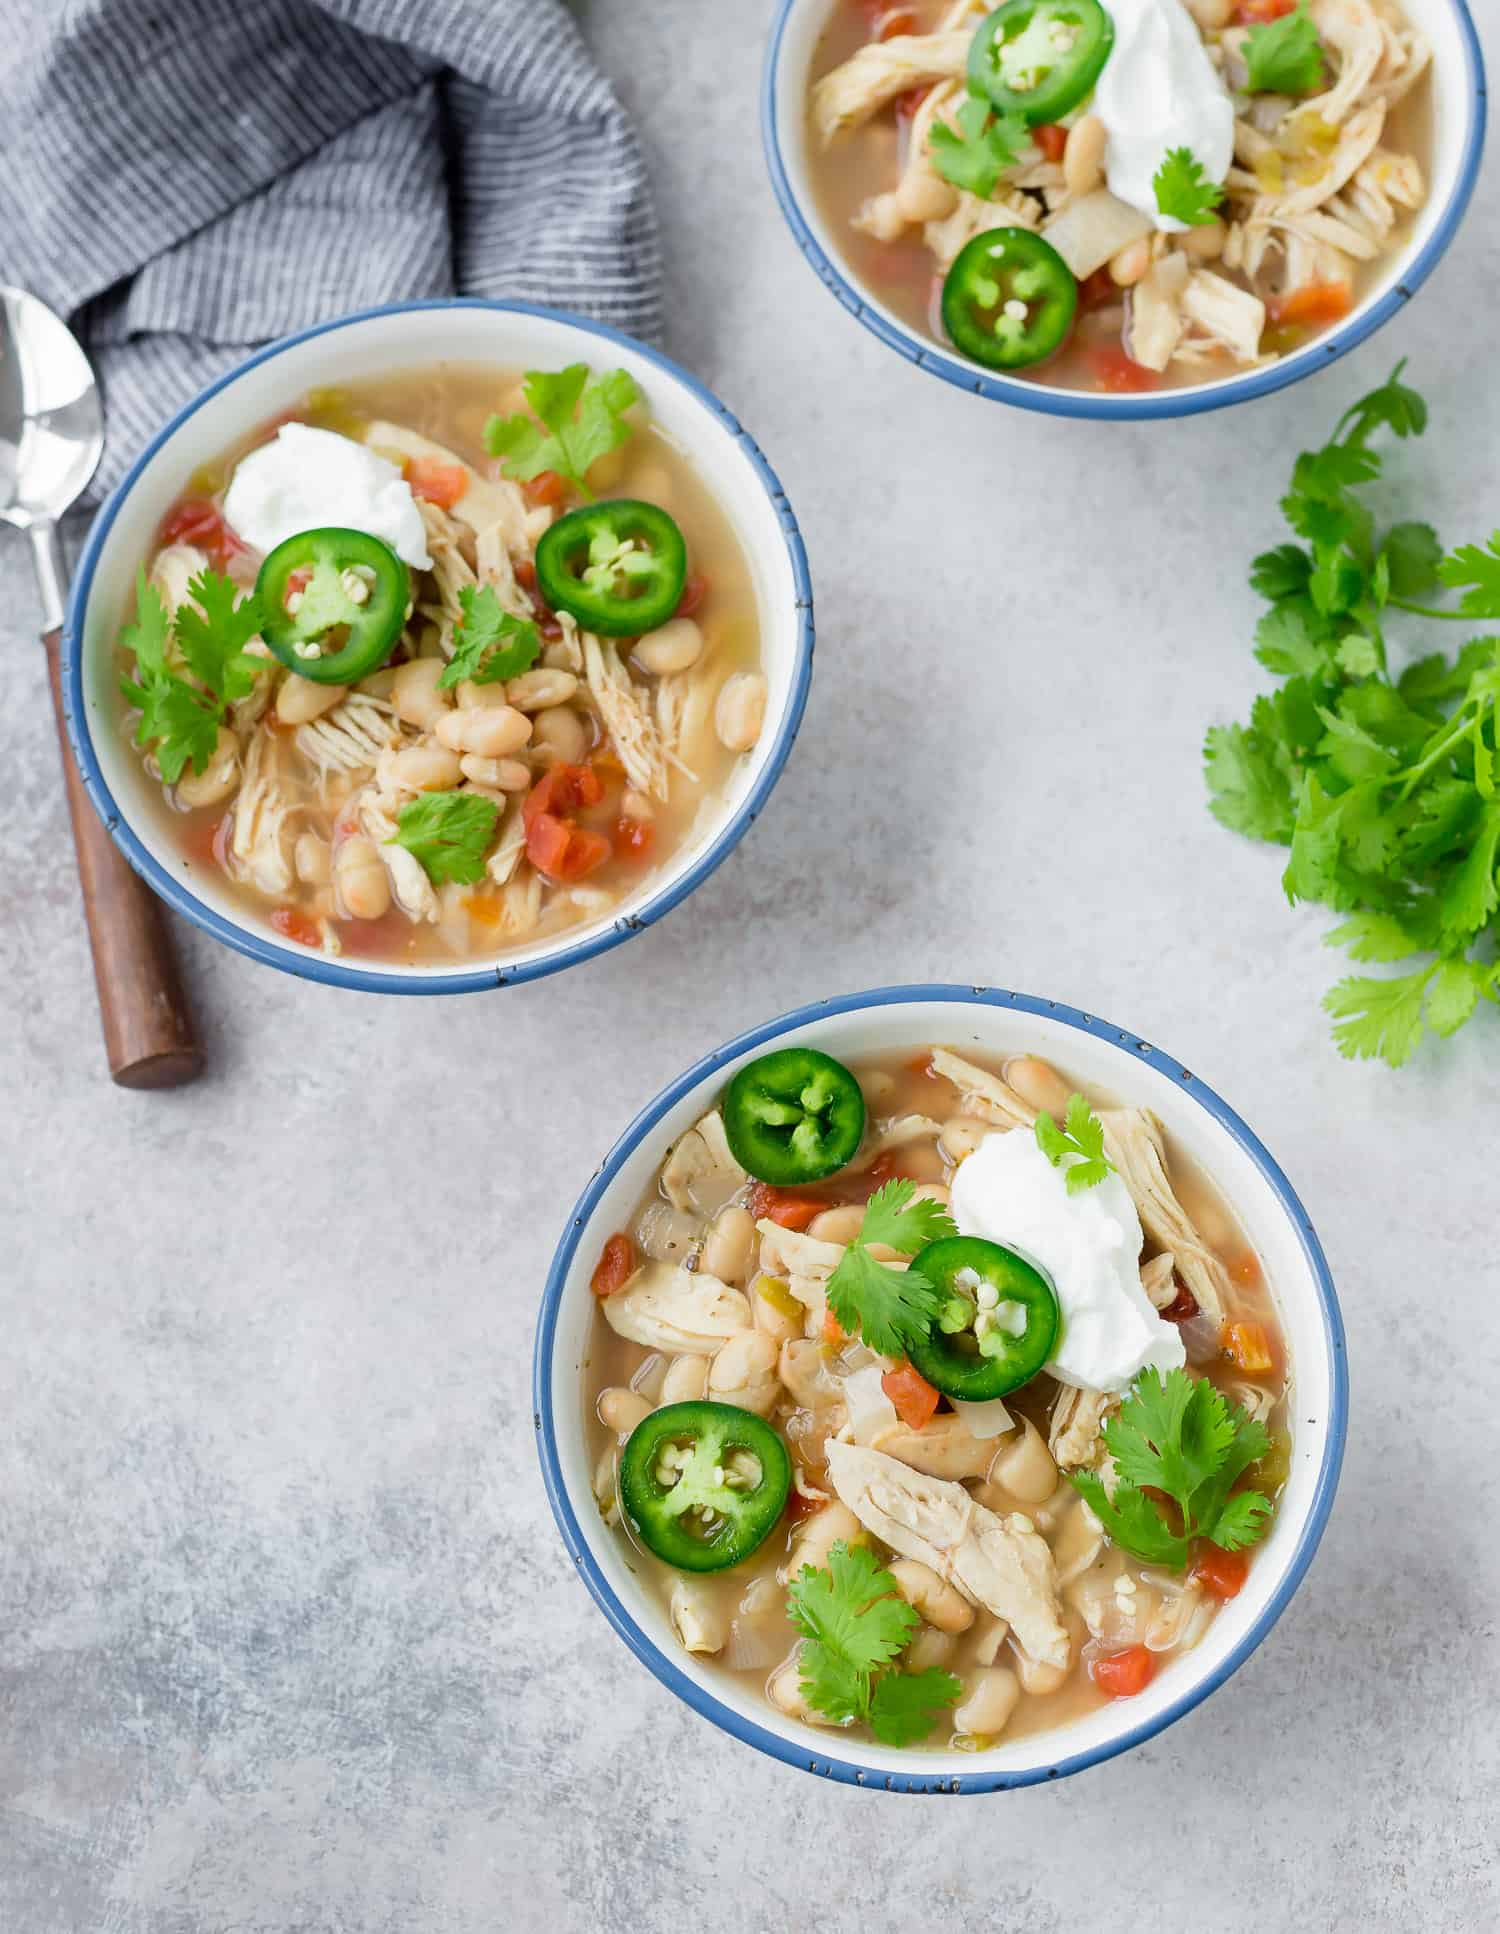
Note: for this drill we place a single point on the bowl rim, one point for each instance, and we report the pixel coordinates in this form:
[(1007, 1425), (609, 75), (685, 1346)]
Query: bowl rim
[(1192, 400), (371, 979), (764, 1737)]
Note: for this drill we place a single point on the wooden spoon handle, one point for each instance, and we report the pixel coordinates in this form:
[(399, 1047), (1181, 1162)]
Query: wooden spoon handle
[(148, 1032)]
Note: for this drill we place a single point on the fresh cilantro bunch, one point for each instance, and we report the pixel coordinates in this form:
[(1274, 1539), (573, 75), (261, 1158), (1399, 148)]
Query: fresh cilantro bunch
[(1082, 1137), (448, 832), (1177, 1434), (976, 152), (1284, 56), (1184, 191), (854, 1624), (1383, 787), (889, 1306), (573, 421), (206, 638), (489, 642)]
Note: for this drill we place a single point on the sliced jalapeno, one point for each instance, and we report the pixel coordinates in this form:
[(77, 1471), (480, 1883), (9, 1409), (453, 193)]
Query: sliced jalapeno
[(618, 568), (1009, 299), (703, 1484), (793, 1116), (335, 632), (1039, 58), (998, 1324)]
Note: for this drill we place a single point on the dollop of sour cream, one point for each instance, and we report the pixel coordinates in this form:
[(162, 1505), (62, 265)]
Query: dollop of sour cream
[(1159, 90), (305, 479), (1088, 1244)]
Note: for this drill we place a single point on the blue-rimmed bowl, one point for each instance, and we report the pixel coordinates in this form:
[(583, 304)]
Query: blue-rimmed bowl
[(1204, 1128), (1457, 119), (507, 336)]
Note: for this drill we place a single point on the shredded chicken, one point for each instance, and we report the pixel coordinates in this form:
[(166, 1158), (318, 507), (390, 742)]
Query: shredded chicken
[(1003, 1564), (879, 72), (626, 717), (1077, 1419), (687, 1312), (700, 1173), (1133, 1140), (487, 502), (351, 737), (943, 1447), (984, 1094), (259, 839)]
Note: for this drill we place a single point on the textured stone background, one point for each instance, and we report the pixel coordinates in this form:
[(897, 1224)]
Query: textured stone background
[(286, 1639)]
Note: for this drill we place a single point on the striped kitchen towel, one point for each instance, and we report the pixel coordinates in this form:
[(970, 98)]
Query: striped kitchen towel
[(186, 180)]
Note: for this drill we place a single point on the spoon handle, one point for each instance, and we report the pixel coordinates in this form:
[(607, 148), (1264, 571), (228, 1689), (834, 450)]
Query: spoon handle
[(148, 1031)]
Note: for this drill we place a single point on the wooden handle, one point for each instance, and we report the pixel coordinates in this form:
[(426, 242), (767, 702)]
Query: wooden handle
[(148, 1032)]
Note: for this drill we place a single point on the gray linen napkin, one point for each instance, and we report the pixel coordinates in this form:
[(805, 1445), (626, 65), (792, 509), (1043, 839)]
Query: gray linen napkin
[(185, 179)]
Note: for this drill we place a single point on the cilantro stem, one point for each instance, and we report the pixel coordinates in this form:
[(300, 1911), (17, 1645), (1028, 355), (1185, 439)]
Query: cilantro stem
[(1425, 610), (1457, 729)]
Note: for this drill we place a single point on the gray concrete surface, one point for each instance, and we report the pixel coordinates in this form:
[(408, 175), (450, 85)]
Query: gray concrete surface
[(286, 1639)]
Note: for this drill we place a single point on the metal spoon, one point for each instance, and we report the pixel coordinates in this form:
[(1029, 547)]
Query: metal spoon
[(51, 434)]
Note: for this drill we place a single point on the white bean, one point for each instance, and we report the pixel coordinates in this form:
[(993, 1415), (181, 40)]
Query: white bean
[(834, 1524), (1025, 1467), (217, 779), (415, 694), (1083, 157), (312, 860), (621, 1410), (672, 647), (933, 1597), (1205, 241), (500, 775), (480, 698), (1038, 1084), (426, 768), (740, 711), (729, 1247), (559, 737), (1130, 263), (837, 1225), (744, 1372), (360, 881), (930, 1650), (686, 1380), (923, 196), (536, 690), (299, 700), (993, 1692), (1037, 1678), (494, 733), (960, 1135), (785, 1693)]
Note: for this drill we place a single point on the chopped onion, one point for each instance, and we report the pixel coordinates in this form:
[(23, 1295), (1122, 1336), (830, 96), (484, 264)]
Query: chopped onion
[(754, 1643), (870, 1409), (989, 1419)]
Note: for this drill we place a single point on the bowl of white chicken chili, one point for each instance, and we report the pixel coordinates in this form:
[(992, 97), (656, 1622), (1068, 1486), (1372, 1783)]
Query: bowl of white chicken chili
[(940, 1389), (1123, 208), (439, 647)]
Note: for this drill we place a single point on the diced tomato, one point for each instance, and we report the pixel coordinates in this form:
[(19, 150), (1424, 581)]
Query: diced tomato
[(198, 521), (908, 104), (1182, 1306), (1116, 372), (1051, 139), (1123, 1674), (911, 1393), (1097, 291), (440, 483), (633, 837), (896, 21), (546, 617), (834, 1334), (615, 1267), (292, 924), (1248, 1346), (563, 790), (1221, 1572), (1318, 302), (1255, 13), (800, 1506), (778, 1205), (546, 487), (694, 591), (562, 849)]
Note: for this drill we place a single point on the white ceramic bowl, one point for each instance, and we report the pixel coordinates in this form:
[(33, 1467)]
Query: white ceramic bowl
[(507, 336), (1458, 120), (997, 1023)]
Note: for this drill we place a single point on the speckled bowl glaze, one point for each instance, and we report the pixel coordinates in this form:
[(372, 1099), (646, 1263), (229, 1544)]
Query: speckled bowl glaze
[(1458, 123), (508, 335), (997, 1023)]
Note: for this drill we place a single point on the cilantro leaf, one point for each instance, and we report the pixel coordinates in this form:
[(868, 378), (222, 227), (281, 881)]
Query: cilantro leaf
[(1471, 895), (573, 422), (976, 153), (905, 1706), (1249, 782), (1179, 1435), (448, 832), (179, 719), (1412, 553), (1281, 573), (1291, 639), (1378, 937), (1475, 569), (489, 642), (1378, 1018), (893, 1218), (146, 638), (1453, 993), (212, 630), (1395, 406), (1081, 1142), (854, 1624), (1284, 56), (887, 1306), (1183, 191)]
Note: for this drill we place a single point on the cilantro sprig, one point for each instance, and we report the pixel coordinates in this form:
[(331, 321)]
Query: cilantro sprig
[(1284, 56), (572, 422), (205, 638), (979, 149), (1179, 1436), (1080, 1142), (889, 1306), (1385, 787), (448, 832), (1184, 191), (489, 642), (854, 1625)]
